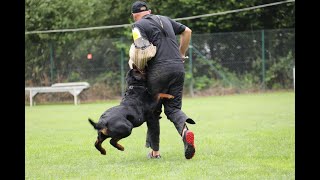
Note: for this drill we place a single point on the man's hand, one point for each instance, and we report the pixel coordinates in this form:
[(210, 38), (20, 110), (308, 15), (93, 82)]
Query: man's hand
[(184, 58)]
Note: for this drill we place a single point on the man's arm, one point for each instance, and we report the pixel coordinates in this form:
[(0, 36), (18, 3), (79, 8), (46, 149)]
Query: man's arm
[(184, 41)]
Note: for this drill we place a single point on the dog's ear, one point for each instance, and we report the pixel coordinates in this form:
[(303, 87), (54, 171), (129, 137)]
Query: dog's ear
[(129, 73), (137, 69), (136, 74), (134, 66)]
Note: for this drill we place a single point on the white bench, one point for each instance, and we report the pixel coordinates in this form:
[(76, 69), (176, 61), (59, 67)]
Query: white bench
[(75, 88)]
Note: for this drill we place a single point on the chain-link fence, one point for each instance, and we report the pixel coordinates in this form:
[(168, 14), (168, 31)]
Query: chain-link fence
[(218, 63)]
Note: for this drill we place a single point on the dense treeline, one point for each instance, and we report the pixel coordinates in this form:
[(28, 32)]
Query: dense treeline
[(67, 14)]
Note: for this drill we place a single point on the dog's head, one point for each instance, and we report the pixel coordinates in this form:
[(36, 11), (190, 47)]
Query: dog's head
[(136, 77)]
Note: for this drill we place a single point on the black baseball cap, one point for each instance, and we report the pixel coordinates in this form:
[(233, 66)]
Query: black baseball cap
[(139, 6)]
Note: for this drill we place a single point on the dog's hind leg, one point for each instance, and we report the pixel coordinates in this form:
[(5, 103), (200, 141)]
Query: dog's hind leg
[(101, 137), (114, 143)]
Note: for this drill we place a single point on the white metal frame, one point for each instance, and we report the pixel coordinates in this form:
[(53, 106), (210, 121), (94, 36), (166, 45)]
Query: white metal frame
[(75, 88)]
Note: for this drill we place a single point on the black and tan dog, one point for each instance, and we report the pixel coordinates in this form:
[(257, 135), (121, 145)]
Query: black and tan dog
[(135, 108)]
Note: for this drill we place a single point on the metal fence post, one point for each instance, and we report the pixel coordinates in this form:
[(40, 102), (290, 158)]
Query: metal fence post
[(51, 62), (294, 84), (121, 69), (190, 68), (263, 59)]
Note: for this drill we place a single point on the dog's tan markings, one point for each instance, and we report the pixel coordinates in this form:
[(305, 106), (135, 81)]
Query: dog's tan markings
[(121, 148), (114, 143), (163, 95), (97, 144), (104, 131)]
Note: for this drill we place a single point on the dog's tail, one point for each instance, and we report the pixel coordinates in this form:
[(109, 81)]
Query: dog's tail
[(93, 123), (97, 127)]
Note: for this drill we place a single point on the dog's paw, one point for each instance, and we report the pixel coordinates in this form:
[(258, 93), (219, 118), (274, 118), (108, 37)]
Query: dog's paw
[(119, 147), (103, 152)]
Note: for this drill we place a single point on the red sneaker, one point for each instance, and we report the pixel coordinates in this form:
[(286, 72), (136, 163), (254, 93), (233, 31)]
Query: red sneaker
[(189, 148)]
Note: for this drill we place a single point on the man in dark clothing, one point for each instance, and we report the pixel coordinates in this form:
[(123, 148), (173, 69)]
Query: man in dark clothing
[(165, 72)]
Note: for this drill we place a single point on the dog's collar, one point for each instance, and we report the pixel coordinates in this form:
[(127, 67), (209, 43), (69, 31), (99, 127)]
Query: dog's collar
[(131, 87)]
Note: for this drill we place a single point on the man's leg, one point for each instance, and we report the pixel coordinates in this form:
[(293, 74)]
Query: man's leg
[(155, 86), (172, 109), (153, 131)]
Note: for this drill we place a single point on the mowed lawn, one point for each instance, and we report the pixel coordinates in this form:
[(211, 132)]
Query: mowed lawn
[(246, 136)]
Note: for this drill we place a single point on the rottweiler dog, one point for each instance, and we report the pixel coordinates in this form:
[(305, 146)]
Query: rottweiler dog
[(135, 108)]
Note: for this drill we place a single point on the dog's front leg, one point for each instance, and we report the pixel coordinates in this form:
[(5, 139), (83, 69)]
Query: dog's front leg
[(101, 137), (114, 143)]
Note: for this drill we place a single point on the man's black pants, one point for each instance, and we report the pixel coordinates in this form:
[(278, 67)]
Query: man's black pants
[(168, 80)]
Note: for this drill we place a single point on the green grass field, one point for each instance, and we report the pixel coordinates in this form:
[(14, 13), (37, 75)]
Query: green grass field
[(247, 136)]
